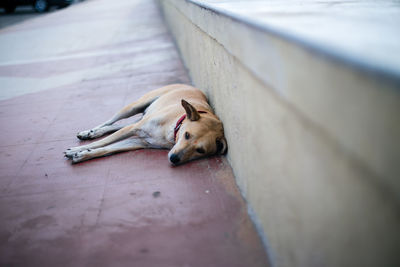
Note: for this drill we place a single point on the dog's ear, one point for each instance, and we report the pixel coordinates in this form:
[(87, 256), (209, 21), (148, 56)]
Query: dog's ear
[(222, 146), (191, 112)]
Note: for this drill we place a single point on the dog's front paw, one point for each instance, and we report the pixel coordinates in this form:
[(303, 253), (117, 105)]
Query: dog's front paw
[(78, 157), (70, 152), (82, 156)]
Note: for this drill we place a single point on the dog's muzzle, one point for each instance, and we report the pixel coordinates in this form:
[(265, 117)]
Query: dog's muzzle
[(174, 158)]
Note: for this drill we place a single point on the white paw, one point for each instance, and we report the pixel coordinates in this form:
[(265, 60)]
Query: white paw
[(79, 156), (70, 152), (86, 135)]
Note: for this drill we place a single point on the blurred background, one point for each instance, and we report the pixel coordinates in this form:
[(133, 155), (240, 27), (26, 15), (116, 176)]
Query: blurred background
[(15, 11)]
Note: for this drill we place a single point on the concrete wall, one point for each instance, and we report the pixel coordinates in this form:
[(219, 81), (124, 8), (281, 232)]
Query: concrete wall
[(313, 142)]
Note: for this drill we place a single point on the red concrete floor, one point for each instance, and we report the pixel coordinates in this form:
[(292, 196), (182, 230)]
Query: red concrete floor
[(130, 209)]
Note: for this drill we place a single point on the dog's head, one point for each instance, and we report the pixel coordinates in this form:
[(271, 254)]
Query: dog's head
[(199, 136)]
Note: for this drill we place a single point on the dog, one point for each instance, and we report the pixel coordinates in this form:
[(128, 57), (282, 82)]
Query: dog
[(176, 117)]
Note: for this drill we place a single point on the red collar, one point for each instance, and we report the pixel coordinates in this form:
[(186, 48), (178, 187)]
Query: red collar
[(179, 123)]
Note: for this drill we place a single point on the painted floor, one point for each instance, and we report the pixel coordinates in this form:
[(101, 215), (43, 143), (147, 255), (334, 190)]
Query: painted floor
[(68, 71)]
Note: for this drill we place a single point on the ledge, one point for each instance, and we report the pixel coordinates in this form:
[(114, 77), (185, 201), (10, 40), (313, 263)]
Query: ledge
[(374, 49)]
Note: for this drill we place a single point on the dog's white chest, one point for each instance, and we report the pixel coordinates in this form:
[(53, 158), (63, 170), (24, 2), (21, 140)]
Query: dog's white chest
[(153, 132)]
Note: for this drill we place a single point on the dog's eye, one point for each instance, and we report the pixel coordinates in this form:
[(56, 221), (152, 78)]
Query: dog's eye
[(187, 135), (200, 150)]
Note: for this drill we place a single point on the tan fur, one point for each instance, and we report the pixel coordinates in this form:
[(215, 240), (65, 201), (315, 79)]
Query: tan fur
[(161, 110)]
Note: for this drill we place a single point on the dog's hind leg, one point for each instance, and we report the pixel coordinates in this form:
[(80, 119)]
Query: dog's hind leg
[(98, 131), (107, 127), (134, 108), (121, 146)]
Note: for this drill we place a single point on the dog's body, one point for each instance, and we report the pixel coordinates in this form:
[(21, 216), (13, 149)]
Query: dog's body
[(196, 134)]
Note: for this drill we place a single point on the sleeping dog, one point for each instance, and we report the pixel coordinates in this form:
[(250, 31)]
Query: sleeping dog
[(176, 117)]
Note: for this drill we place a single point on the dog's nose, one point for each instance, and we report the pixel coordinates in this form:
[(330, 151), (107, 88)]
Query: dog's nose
[(174, 158)]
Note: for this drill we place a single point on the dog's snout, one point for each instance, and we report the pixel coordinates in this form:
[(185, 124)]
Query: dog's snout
[(174, 158)]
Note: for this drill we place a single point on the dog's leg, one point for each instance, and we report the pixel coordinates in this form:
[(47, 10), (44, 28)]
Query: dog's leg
[(128, 111), (107, 127), (98, 131), (121, 146), (125, 132)]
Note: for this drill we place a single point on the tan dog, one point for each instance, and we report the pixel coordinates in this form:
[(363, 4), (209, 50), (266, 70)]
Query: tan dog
[(164, 125)]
